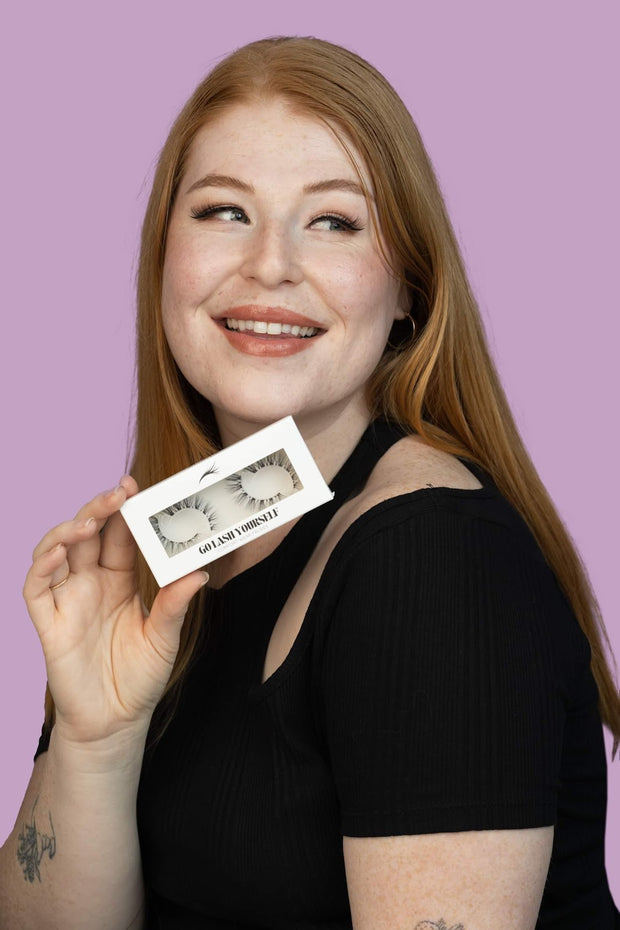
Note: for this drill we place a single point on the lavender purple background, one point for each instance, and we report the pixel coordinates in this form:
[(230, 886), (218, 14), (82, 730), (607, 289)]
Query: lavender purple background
[(518, 107)]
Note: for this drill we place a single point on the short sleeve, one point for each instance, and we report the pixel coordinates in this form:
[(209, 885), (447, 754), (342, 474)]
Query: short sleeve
[(443, 675)]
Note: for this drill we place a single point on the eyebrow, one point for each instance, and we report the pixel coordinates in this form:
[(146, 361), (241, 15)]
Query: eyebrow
[(221, 180), (335, 184), (318, 187)]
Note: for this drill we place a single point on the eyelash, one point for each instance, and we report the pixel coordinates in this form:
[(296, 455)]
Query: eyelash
[(196, 502), (277, 459), (203, 213), (348, 225)]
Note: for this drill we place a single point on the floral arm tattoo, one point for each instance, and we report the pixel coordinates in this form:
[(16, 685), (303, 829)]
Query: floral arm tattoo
[(33, 845), (437, 925)]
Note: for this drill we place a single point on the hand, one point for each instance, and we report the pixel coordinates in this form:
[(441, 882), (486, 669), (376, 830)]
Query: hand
[(107, 660)]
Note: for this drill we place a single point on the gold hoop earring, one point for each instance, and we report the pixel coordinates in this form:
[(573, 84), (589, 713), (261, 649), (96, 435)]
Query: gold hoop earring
[(404, 343)]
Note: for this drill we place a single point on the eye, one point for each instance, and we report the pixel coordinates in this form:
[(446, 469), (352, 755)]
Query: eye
[(226, 212), (265, 482), (336, 222), (184, 524)]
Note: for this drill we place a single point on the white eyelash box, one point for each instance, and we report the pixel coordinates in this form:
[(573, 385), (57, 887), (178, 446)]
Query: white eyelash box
[(223, 502)]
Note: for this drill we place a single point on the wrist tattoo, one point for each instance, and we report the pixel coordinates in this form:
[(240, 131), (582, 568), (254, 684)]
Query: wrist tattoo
[(32, 846), (437, 925)]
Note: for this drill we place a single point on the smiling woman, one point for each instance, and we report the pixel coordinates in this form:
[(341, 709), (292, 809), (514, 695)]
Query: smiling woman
[(384, 714)]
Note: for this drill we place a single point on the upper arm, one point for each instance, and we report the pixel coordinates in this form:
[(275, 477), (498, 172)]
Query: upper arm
[(449, 881), (443, 717), (440, 698)]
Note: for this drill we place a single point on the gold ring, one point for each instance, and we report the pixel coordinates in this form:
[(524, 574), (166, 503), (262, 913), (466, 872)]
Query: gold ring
[(59, 584)]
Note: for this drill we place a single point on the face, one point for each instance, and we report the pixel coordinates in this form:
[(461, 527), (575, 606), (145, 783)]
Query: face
[(276, 299)]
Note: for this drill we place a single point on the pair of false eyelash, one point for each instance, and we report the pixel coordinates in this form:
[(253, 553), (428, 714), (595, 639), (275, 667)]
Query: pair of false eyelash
[(194, 518)]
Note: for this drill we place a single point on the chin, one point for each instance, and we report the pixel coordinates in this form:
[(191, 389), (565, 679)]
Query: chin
[(257, 411)]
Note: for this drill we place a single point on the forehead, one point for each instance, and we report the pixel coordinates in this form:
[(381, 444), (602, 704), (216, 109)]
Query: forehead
[(270, 138)]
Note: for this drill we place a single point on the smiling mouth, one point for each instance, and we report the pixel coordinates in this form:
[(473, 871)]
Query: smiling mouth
[(263, 328)]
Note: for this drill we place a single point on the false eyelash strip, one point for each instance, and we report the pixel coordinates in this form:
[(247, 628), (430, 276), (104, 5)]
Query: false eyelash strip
[(184, 523), (265, 482), (211, 508)]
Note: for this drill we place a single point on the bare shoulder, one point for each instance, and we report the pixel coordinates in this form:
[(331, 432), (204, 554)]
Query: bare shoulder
[(409, 465)]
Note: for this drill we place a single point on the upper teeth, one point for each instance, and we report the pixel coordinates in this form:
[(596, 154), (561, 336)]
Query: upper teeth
[(271, 329)]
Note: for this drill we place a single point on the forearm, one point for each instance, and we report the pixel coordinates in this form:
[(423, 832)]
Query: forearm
[(73, 859)]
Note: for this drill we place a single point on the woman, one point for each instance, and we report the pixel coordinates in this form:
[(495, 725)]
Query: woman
[(382, 715)]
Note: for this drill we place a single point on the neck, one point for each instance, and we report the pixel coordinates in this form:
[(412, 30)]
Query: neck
[(330, 437)]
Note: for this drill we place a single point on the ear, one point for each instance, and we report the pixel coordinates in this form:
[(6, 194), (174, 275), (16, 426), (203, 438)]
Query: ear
[(403, 303)]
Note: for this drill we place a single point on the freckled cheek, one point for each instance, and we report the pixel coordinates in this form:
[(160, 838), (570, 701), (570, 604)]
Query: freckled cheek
[(186, 342), (190, 277), (363, 294), (343, 285)]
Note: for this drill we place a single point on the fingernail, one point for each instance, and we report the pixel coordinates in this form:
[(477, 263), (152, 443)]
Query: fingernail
[(87, 522), (206, 578)]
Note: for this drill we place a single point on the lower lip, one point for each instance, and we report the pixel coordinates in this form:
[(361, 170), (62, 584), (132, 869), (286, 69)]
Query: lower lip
[(268, 346)]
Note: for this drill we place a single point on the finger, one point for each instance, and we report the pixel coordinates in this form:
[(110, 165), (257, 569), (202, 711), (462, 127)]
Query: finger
[(130, 484), (118, 547), (69, 534), (101, 508), (105, 504), (163, 625), (37, 592)]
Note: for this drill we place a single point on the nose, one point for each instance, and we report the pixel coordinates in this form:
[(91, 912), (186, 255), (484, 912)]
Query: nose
[(271, 257)]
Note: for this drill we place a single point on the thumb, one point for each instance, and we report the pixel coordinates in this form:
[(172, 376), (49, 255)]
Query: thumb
[(164, 623)]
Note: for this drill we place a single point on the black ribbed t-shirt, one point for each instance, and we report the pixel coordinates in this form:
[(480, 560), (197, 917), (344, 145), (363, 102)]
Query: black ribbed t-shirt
[(439, 683)]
